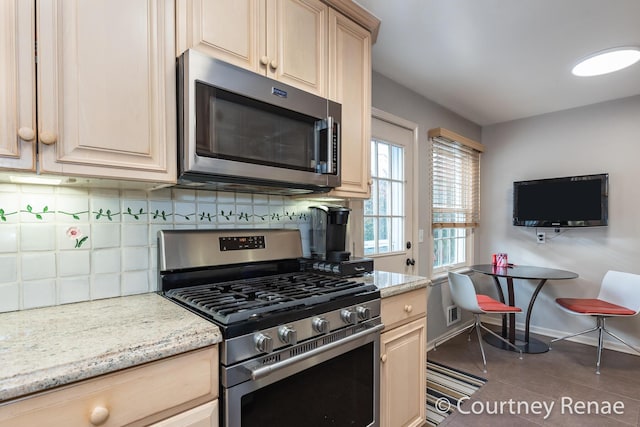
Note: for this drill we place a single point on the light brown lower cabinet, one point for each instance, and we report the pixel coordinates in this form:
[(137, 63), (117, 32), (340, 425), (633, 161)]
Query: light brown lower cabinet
[(181, 390), (202, 416), (403, 360)]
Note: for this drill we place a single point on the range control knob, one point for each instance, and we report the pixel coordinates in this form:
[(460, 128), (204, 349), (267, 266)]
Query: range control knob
[(364, 313), (288, 335), (263, 342), (320, 325), (349, 316)]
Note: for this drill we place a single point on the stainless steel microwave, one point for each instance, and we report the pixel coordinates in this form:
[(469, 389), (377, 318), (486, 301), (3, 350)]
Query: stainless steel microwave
[(241, 131)]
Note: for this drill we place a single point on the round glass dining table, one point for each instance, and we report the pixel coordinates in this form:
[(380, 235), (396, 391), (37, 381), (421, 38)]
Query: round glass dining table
[(523, 341)]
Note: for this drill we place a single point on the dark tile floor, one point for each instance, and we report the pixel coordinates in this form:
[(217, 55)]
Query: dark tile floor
[(564, 377)]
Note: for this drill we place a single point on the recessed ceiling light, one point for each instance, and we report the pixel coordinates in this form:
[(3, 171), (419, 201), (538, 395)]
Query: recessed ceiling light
[(607, 61)]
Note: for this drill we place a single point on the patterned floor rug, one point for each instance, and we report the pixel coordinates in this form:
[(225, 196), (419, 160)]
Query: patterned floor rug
[(445, 387)]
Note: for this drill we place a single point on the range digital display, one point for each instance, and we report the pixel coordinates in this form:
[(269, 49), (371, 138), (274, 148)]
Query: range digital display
[(239, 243)]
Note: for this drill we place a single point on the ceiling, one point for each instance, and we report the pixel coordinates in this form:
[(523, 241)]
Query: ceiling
[(492, 61)]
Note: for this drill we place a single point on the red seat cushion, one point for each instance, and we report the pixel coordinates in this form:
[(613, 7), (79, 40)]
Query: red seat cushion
[(491, 305), (484, 298), (594, 306)]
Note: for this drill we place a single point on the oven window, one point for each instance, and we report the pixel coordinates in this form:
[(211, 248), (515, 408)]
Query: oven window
[(338, 392), (233, 127)]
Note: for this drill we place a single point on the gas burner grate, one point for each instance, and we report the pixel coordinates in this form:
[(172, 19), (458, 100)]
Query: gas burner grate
[(238, 300)]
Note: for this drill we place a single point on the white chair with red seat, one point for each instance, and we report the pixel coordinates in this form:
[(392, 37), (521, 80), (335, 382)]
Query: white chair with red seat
[(619, 296), (463, 294)]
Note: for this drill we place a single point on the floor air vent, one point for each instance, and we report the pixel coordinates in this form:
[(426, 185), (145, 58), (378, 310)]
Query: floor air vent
[(453, 315)]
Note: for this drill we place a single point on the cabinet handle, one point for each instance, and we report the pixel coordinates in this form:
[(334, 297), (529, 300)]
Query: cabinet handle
[(408, 308), (48, 138), (383, 358), (264, 60), (273, 64), (99, 415), (26, 133)]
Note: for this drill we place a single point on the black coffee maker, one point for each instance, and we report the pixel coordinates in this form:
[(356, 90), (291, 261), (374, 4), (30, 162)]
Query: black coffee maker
[(329, 233)]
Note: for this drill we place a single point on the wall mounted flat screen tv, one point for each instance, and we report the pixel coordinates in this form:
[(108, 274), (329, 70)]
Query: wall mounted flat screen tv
[(573, 201)]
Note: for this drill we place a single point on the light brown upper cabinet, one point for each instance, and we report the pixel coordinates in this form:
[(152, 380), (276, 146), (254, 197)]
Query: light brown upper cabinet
[(350, 85), (105, 82), (321, 47), (285, 40), (17, 85)]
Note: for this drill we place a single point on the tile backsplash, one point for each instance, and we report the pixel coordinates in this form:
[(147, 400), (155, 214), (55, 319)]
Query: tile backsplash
[(60, 245)]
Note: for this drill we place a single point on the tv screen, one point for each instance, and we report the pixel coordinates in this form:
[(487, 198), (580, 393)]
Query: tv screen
[(573, 201)]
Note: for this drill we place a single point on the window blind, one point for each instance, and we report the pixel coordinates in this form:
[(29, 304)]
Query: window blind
[(455, 180)]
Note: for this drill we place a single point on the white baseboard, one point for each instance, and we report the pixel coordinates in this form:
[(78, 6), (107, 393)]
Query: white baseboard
[(448, 335), (588, 339)]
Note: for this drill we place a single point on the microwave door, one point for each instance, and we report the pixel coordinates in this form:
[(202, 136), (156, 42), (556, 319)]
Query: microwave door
[(238, 130), (231, 134)]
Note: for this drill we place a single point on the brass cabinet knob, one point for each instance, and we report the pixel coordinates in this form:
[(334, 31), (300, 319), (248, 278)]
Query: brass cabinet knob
[(48, 138), (99, 415), (26, 133)]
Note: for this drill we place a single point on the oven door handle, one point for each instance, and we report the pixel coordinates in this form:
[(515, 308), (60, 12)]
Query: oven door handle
[(263, 371)]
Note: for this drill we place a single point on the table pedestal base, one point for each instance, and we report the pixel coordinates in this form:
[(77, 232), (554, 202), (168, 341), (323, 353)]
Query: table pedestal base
[(534, 346)]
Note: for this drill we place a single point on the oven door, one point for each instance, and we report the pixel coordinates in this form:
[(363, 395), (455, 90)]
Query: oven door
[(334, 387)]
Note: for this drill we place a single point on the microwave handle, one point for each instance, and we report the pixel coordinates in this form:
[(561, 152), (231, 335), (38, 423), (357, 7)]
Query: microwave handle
[(333, 145)]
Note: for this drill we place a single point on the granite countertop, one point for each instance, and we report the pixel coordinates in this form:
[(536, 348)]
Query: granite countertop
[(53, 346), (48, 347), (391, 284)]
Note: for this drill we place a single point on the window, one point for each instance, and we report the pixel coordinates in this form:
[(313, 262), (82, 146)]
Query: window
[(456, 198), (384, 215)]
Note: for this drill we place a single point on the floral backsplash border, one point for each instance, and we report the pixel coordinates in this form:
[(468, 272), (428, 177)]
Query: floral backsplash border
[(157, 214), (140, 214)]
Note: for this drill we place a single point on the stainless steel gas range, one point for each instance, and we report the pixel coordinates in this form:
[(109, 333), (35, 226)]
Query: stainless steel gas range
[(300, 347)]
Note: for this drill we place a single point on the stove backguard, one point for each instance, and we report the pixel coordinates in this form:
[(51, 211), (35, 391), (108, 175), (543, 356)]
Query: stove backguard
[(191, 249)]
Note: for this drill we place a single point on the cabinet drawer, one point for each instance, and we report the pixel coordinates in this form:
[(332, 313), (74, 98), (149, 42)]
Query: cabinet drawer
[(123, 397), (402, 308), (201, 416)]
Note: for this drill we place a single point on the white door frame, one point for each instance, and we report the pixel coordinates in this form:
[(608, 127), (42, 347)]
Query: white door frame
[(357, 229)]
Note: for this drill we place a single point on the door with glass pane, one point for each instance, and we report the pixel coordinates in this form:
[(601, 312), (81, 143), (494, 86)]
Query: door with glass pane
[(389, 232)]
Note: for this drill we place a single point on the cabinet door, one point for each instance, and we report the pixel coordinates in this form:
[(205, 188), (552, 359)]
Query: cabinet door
[(17, 85), (230, 30), (403, 375), (350, 85), (297, 44), (106, 88), (201, 416)]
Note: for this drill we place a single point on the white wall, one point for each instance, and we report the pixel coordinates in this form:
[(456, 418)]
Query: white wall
[(599, 138)]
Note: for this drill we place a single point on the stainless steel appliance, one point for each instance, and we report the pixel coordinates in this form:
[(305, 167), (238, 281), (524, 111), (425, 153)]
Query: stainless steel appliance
[(328, 243), (242, 131), (329, 232), (300, 348)]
